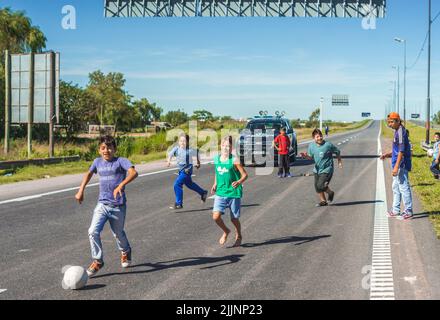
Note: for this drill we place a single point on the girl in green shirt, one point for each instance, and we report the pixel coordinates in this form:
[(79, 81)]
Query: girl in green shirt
[(229, 177)]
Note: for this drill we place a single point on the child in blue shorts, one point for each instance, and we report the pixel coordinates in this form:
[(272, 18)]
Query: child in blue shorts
[(229, 178)]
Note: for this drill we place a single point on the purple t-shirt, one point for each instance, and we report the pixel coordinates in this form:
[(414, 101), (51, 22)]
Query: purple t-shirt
[(401, 144), (111, 174)]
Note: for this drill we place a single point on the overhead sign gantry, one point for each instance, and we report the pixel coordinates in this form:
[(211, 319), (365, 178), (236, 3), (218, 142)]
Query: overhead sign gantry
[(245, 8)]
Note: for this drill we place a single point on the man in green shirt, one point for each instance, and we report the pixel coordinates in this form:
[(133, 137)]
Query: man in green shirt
[(321, 152), (228, 189)]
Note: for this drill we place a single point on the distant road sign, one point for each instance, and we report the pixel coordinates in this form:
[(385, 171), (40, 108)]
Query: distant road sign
[(340, 100), (366, 114), (415, 116)]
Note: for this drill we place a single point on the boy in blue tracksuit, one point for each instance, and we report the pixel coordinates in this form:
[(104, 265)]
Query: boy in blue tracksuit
[(184, 156)]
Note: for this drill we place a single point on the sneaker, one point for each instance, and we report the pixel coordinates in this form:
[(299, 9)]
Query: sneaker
[(322, 204), (176, 207), (391, 214), (94, 267), (125, 259), (406, 216), (331, 196), (204, 196), (280, 176), (289, 176)]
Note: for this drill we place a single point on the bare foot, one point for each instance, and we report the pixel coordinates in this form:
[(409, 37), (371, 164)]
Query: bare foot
[(237, 242), (224, 237)]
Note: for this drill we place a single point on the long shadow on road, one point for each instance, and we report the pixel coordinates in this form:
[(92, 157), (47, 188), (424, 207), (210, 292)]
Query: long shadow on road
[(180, 263), (355, 203), (289, 239), (210, 208)]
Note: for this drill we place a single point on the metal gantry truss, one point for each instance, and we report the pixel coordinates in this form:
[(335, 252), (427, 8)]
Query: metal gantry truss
[(245, 8)]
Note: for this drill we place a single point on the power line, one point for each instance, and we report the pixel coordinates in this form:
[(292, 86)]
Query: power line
[(438, 14), (423, 45), (420, 52)]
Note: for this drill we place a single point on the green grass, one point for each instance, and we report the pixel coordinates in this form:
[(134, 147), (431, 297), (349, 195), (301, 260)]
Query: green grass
[(41, 172), (423, 184)]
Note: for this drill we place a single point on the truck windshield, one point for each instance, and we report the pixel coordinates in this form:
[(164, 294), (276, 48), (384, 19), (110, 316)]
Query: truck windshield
[(264, 125)]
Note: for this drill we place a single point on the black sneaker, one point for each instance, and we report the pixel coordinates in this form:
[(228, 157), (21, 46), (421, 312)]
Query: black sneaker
[(176, 207), (204, 196), (322, 204), (331, 196)]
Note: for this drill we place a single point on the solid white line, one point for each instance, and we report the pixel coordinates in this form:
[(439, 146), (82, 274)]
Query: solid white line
[(77, 188), (381, 266)]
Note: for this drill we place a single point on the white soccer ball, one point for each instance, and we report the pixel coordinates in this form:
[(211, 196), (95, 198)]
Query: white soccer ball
[(430, 152), (75, 277)]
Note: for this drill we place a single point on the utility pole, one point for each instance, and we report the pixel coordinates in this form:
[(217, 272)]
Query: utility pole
[(398, 87), (321, 111), (428, 102)]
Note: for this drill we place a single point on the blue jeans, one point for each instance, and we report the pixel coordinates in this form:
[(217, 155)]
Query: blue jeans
[(435, 168), (116, 217), (185, 179), (402, 189)]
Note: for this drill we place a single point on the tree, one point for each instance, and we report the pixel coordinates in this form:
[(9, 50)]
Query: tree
[(18, 35), (314, 119), (202, 115), (176, 118), (113, 102), (77, 108), (225, 118), (295, 123), (436, 118), (145, 112)]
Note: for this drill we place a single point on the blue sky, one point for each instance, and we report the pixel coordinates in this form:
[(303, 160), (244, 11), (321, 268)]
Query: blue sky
[(238, 66)]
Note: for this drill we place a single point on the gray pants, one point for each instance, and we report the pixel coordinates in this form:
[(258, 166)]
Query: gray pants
[(322, 181)]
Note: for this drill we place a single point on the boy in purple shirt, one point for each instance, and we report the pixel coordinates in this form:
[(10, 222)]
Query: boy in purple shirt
[(402, 165), (111, 205)]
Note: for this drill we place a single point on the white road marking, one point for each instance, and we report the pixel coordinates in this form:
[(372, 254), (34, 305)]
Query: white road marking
[(24, 250), (339, 144), (36, 196), (3, 290), (382, 283)]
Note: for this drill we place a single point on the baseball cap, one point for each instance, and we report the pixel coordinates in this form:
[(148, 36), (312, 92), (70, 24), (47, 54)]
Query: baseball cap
[(394, 116)]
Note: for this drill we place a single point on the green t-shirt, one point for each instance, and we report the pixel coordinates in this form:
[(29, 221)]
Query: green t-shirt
[(225, 174), (323, 156)]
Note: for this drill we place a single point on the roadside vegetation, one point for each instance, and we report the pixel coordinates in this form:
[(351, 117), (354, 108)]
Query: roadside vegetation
[(424, 185)]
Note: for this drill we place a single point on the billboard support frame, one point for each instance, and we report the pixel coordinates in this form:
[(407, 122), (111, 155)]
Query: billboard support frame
[(31, 103), (7, 101)]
